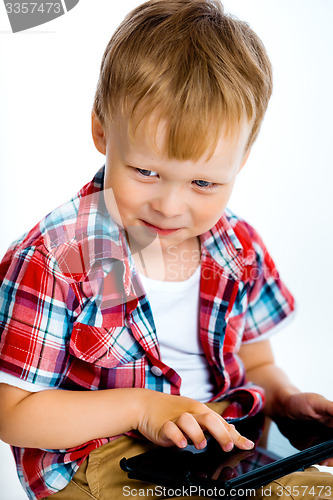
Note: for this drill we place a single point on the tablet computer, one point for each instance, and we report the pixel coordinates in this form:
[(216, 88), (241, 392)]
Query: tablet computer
[(281, 447)]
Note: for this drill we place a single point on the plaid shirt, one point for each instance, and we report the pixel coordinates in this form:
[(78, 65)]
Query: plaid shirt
[(73, 315)]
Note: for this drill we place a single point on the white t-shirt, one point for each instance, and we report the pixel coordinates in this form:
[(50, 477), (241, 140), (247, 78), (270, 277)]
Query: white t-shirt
[(175, 307)]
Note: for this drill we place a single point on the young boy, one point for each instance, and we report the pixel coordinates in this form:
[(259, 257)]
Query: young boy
[(138, 313)]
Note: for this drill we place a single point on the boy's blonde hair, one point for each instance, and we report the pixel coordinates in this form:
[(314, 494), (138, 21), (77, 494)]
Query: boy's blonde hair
[(190, 64)]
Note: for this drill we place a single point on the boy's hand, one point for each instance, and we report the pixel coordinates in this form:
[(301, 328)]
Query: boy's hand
[(169, 420), (311, 406)]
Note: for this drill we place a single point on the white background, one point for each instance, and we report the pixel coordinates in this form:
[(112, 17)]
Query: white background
[(47, 84)]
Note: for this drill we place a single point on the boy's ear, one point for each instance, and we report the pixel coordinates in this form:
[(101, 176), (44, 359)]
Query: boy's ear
[(98, 134)]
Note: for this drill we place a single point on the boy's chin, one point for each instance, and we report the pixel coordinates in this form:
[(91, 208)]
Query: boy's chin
[(140, 237)]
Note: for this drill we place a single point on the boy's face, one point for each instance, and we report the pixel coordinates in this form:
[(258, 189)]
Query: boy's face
[(149, 194)]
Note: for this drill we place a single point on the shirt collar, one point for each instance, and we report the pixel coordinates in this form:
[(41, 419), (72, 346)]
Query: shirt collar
[(222, 245), (85, 240)]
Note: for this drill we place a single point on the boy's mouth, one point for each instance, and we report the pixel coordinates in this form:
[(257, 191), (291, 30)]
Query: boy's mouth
[(160, 230)]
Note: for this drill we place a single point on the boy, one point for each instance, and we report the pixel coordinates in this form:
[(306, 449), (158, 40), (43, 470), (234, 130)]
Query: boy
[(136, 309)]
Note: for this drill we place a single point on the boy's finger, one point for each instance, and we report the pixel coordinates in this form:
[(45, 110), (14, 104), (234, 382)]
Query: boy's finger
[(239, 440), (328, 462), (189, 425), (171, 432), (217, 428), (225, 434)]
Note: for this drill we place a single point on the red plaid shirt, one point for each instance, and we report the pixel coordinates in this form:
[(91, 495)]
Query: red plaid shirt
[(73, 315)]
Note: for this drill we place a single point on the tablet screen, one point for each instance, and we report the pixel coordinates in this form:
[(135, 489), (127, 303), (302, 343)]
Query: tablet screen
[(274, 441), (212, 466)]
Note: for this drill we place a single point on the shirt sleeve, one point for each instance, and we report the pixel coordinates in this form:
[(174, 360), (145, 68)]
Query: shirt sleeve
[(36, 316), (6, 378), (269, 302)]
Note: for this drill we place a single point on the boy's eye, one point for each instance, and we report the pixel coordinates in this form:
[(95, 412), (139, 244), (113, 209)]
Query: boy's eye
[(205, 184), (146, 173)]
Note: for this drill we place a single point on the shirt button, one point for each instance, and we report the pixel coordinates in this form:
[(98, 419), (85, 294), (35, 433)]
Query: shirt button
[(156, 371)]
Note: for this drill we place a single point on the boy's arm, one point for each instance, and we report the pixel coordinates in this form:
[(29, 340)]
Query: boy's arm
[(60, 419), (282, 397)]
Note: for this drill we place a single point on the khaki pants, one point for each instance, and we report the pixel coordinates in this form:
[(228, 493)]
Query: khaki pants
[(101, 478)]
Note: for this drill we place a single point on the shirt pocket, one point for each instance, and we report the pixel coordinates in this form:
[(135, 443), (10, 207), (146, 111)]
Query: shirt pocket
[(104, 347)]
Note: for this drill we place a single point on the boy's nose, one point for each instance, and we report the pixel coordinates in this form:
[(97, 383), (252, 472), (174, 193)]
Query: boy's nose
[(169, 202)]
